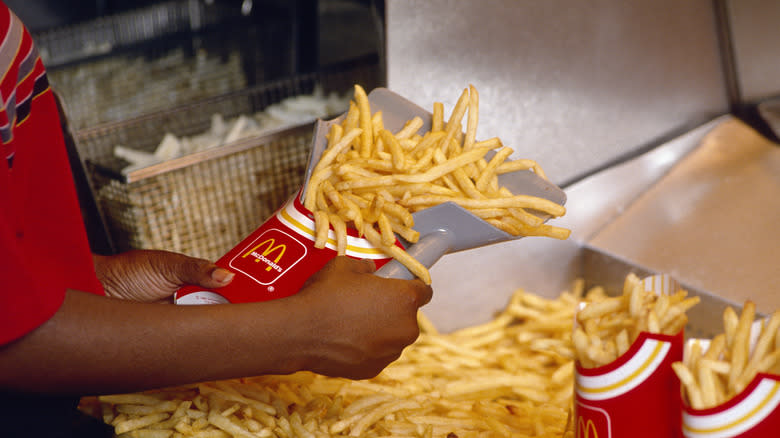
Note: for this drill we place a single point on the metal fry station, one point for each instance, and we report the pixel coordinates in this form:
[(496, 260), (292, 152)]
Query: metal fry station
[(189, 123)]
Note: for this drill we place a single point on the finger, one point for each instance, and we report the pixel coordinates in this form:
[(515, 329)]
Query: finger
[(360, 266), (365, 266), (418, 292), (165, 300), (221, 275), (365, 370), (424, 293), (200, 272)]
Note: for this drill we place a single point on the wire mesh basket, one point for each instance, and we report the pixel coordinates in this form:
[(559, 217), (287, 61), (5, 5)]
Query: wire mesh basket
[(77, 42), (122, 66), (204, 203), (127, 85)]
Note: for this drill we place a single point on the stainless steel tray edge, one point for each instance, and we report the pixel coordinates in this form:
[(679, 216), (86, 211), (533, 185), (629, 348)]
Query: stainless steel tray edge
[(609, 270), (595, 201)]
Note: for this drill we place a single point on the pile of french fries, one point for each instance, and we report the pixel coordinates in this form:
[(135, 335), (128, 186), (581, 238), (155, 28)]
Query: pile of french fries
[(510, 377), (607, 326), (714, 374), (373, 180)]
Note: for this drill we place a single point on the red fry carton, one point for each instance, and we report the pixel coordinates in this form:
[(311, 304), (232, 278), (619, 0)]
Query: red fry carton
[(637, 395), (276, 259), (753, 413)]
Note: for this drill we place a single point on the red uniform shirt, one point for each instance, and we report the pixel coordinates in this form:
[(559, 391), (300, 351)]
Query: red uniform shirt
[(43, 244)]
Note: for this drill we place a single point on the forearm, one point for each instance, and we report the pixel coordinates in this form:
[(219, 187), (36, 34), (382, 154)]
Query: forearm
[(344, 322), (101, 345)]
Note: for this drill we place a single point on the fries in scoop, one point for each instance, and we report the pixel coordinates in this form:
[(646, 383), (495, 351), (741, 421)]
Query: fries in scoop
[(415, 170)]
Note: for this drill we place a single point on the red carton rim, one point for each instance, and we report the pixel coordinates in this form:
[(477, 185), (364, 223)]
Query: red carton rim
[(733, 401), (351, 231), (625, 357)]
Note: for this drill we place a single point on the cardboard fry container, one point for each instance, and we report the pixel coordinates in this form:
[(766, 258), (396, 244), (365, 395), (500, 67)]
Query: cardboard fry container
[(753, 413), (637, 395), (276, 259)]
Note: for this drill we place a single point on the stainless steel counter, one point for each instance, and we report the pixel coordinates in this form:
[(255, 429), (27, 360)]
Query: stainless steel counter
[(713, 222), (574, 85)]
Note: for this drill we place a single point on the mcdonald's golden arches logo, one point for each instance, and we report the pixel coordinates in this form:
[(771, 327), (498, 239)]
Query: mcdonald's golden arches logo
[(586, 428), (269, 256), (270, 247), (592, 422)]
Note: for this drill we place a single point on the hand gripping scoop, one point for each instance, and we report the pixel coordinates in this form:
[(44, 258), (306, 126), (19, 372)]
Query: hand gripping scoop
[(447, 227)]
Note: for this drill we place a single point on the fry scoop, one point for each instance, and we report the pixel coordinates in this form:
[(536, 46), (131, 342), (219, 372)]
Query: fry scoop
[(447, 227)]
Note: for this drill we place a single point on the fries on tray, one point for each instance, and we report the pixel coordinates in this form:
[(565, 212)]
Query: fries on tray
[(509, 377)]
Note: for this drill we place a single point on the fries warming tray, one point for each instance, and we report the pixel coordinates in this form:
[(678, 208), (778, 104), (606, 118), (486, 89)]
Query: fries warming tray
[(202, 204)]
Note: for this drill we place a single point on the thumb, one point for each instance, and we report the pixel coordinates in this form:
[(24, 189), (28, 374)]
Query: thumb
[(219, 277), (200, 272)]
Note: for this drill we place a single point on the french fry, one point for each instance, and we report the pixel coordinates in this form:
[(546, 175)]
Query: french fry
[(411, 128), (364, 121), (139, 422), (437, 119), (740, 347), (717, 366), (473, 119), (762, 348), (689, 381), (163, 406), (396, 151), (730, 321), (322, 223), (340, 230), (333, 151), (445, 168), (454, 122), (489, 171), (521, 201), (622, 342), (386, 230), (601, 308), (414, 266)]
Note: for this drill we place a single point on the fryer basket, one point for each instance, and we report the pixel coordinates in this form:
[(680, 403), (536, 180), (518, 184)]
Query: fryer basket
[(202, 204)]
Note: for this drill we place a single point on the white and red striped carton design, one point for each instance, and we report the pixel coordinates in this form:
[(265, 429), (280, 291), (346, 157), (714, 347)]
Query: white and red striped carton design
[(753, 413), (637, 395), (277, 258)]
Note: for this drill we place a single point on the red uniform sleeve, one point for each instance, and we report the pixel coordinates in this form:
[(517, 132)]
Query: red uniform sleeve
[(26, 302), (44, 249)]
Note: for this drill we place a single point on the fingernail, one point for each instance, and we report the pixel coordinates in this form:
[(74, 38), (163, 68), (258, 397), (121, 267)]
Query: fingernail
[(222, 275)]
